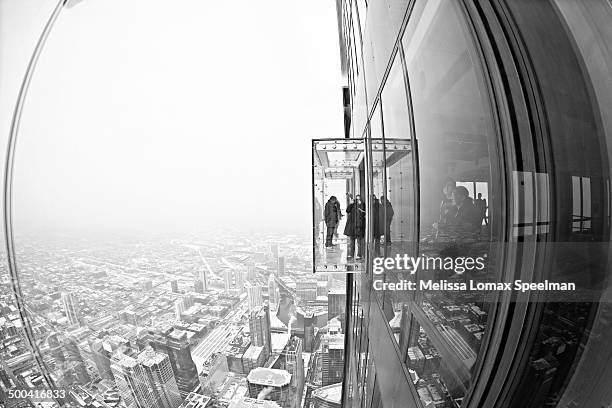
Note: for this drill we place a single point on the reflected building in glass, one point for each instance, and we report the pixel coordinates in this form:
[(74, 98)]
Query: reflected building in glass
[(478, 132)]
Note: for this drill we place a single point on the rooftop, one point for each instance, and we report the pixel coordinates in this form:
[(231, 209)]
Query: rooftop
[(331, 393), (269, 376)]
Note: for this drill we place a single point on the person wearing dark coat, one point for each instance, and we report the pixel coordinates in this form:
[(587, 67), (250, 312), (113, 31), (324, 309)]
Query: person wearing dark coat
[(386, 215), (332, 217), (355, 227)]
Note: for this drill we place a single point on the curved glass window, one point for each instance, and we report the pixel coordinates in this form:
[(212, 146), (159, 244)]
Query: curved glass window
[(440, 331)]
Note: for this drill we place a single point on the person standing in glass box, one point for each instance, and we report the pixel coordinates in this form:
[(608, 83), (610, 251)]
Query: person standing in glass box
[(355, 227)]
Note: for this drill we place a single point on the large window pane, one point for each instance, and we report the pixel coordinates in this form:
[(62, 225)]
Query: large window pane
[(456, 137)]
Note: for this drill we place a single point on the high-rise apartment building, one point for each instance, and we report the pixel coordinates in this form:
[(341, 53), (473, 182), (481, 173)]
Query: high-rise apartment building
[(203, 278), (259, 326), (71, 308), (254, 295)]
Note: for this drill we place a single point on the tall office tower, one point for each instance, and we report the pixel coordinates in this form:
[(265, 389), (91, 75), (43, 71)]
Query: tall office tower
[(336, 303), (100, 355), (273, 294), (198, 286), (306, 290), (309, 336), (280, 270), (133, 382), (174, 286), (203, 279), (251, 271), (272, 384), (253, 295), (146, 379), (158, 369), (332, 357), (228, 279), (240, 278), (294, 364), (259, 326), (179, 308), (176, 345), (71, 308), (274, 251)]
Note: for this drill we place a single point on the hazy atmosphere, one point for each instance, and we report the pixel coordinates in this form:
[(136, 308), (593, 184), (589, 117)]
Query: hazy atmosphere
[(171, 116)]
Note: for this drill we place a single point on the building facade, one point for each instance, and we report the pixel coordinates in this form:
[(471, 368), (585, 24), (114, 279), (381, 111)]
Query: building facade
[(475, 129)]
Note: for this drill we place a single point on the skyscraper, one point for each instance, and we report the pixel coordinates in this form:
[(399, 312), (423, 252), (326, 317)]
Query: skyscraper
[(273, 294), (336, 302), (71, 308), (145, 380), (175, 344), (259, 326), (253, 295), (281, 266), (202, 276), (158, 370), (332, 356), (294, 364), (179, 308), (174, 286)]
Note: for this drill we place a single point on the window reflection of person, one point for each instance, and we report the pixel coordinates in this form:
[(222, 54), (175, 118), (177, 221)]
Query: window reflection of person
[(355, 226), (465, 222), (467, 215), (332, 217), (386, 216), (481, 206), (447, 206)]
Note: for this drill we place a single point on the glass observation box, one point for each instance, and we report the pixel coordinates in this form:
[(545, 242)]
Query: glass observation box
[(344, 222)]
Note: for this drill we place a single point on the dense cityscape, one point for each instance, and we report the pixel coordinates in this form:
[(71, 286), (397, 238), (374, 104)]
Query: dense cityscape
[(174, 322)]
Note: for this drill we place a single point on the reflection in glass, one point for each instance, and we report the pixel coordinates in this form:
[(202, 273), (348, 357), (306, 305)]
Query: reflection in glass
[(454, 128)]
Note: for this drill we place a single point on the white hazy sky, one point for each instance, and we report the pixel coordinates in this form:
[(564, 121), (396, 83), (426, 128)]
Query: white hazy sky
[(170, 115)]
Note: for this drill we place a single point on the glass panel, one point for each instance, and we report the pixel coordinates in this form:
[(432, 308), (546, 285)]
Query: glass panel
[(456, 139), (338, 209), (395, 103)]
